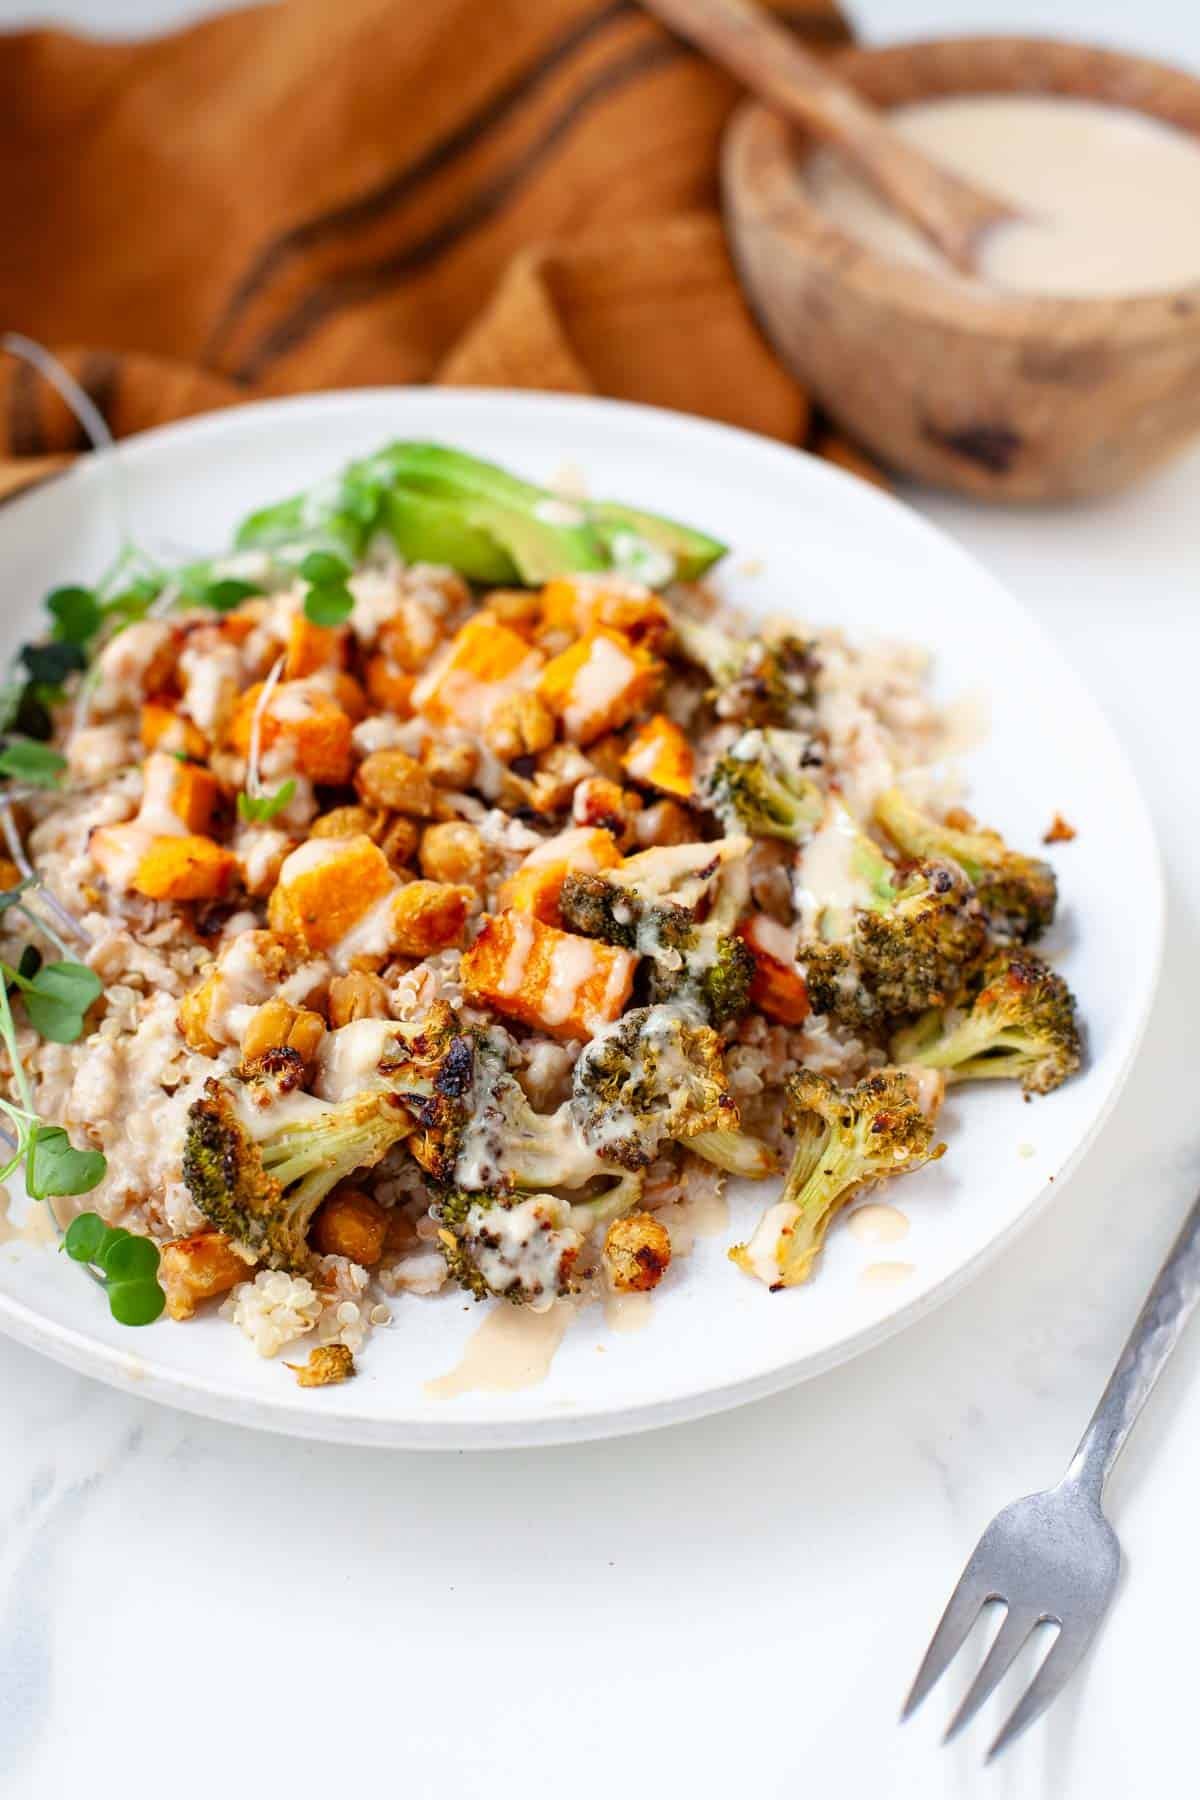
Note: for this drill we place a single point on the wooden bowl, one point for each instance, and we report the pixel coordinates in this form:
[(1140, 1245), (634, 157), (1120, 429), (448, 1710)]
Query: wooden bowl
[(1004, 396)]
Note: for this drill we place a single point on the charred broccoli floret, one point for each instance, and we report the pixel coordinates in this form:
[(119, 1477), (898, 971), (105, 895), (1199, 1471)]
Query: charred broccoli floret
[(656, 904), (765, 683), (658, 1076), (1018, 894), (913, 952), (762, 785), (525, 1248), (259, 1178), (1020, 1024), (845, 1139), (430, 1065)]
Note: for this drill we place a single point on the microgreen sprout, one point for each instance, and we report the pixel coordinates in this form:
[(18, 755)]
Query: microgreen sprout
[(256, 809), (126, 1265), (329, 600)]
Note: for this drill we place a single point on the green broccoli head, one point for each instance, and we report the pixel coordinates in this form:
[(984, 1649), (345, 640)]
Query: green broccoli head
[(845, 1139), (913, 953), (677, 907), (1020, 1024), (258, 1170), (526, 1248), (430, 1065), (763, 785), (655, 1075), (764, 683), (1018, 894)]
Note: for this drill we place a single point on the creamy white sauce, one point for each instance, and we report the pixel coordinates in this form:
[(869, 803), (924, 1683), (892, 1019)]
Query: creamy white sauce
[(1110, 197), (515, 963), (826, 878), (886, 1274), (576, 848), (877, 1223), (372, 934), (599, 683), (348, 1058), (512, 1348), (762, 1251), (573, 961)]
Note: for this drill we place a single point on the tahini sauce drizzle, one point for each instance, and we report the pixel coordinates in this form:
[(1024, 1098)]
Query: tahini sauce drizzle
[(877, 1223), (511, 1348), (37, 1229)]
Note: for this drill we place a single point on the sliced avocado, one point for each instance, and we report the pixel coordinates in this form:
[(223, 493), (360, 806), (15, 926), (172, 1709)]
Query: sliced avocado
[(544, 535), (429, 530), (691, 551)]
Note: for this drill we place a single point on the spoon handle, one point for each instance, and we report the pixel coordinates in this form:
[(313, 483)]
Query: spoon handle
[(773, 64)]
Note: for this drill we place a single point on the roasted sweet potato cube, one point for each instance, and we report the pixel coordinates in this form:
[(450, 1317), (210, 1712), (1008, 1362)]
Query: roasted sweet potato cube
[(660, 756), (181, 789), (199, 1268), (581, 604), (599, 684), (312, 647), (162, 728), (389, 689), (185, 868), (326, 887), (484, 663), (536, 886), (777, 987), (309, 719), (569, 986)]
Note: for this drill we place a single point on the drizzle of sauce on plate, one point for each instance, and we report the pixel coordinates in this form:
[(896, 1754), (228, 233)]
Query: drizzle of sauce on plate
[(886, 1274), (878, 1223), (511, 1348)]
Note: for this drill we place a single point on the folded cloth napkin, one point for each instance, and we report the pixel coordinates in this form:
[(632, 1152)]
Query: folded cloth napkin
[(333, 193)]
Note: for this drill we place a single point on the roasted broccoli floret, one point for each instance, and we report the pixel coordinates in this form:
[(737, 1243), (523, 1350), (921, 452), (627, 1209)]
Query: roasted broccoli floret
[(430, 1065), (845, 1139), (764, 683), (1018, 894), (525, 1248), (259, 1176), (763, 785), (655, 903), (1020, 1024), (656, 1076)]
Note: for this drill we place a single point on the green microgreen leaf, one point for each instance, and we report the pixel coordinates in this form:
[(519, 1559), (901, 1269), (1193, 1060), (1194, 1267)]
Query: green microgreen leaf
[(77, 614), (323, 569), (85, 1238), (224, 595), (253, 809), (52, 663), (129, 1258), (36, 763), (133, 602), (136, 1302), (328, 605), (57, 996), (55, 1167)]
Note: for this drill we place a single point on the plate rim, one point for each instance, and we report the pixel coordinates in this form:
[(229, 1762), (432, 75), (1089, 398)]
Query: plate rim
[(284, 1415)]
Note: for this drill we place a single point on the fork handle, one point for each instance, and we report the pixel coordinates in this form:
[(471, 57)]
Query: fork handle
[(1167, 1309)]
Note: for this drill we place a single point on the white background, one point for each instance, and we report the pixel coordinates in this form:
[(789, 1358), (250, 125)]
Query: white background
[(733, 1605)]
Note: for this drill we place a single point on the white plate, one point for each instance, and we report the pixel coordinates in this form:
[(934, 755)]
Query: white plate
[(807, 540)]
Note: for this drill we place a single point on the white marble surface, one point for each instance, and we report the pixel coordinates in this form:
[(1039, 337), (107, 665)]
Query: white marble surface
[(732, 1605)]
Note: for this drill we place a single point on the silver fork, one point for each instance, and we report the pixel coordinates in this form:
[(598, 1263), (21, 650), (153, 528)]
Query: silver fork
[(1053, 1558)]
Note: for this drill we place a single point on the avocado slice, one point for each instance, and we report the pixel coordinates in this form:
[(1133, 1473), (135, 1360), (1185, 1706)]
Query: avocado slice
[(692, 552), (542, 534), (429, 530)]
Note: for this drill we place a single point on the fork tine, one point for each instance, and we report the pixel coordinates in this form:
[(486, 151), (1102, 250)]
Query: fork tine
[(962, 1610), (1007, 1641), (1061, 1660)]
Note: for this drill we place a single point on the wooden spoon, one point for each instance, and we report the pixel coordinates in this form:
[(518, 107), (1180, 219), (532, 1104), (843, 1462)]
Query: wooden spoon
[(771, 62)]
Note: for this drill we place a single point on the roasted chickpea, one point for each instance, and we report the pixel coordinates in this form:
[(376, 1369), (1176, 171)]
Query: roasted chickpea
[(453, 851), (395, 780)]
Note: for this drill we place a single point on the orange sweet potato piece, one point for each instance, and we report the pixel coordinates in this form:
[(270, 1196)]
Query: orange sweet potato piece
[(598, 684), (569, 986), (627, 607), (185, 868), (312, 647), (195, 796), (484, 664), (778, 987), (660, 756), (162, 728), (306, 716), (325, 887), (389, 689), (537, 885)]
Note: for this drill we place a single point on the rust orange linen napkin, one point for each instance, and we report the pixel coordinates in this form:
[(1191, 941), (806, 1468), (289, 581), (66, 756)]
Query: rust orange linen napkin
[(342, 192)]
